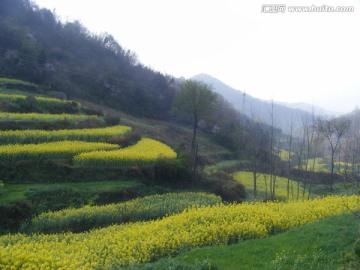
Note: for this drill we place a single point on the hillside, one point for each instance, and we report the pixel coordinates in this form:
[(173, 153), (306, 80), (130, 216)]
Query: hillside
[(69, 61), (41, 136)]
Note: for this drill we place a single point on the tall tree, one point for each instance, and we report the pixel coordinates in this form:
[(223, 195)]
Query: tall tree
[(289, 156), (352, 142), (309, 132), (194, 102), (272, 154), (333, 130), (256, 142)]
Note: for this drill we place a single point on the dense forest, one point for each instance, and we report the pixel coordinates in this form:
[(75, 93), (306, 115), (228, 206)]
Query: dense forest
[(65, 57)]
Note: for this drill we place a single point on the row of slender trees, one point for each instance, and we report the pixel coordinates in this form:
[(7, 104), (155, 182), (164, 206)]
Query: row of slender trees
[(334, 140), (322, 138)]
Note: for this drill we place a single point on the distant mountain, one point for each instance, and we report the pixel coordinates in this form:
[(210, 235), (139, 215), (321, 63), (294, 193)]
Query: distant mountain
[(309, 108), (258, 109)]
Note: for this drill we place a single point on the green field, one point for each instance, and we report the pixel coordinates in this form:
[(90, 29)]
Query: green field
[(246, 178), (13, 192), (324, 244), (8, 81)]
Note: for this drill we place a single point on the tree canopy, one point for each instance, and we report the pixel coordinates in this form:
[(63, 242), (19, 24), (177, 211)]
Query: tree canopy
[(195, 102), (333, 130)]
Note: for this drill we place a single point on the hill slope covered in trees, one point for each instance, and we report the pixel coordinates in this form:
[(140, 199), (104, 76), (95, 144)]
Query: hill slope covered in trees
[(35, 46)]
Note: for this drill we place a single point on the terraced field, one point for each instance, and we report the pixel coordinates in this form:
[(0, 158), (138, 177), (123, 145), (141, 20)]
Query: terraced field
[(137, 231)]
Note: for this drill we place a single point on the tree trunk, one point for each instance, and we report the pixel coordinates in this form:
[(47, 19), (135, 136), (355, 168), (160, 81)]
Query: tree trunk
[(193, 141), (332, 170), (195, 159), (254, 177), (266, 188)]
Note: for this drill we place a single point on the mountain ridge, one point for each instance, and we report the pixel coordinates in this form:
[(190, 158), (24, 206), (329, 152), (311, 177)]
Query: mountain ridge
[(258, 109)]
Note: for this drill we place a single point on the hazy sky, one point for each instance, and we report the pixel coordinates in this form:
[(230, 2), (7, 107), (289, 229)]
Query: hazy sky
[(311, 57)]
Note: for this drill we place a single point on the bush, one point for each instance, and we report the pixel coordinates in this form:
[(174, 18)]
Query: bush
[(173, 172), (13, 215), (125, 140), (1, 187), (223, 185), (115, 196), (55, 198)]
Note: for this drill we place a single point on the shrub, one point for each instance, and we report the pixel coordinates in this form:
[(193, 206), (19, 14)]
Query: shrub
[(12, 215), (55, 198), (27, 104), (173, 172), (1, 187), (225, 186)]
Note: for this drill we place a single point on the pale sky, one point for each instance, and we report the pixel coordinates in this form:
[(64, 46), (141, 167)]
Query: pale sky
[(311, 57)]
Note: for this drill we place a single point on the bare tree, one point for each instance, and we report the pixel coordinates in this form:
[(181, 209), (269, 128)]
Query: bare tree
[(352, 142), (290, 141), (256, 144), (317, 142), (299, 149), (309, 134), (272, 154), (300, 146)]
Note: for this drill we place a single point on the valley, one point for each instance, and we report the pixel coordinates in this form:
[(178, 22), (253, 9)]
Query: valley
[(108, 164)]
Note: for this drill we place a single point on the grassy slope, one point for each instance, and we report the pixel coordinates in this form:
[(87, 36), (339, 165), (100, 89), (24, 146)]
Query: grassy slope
[(13, 192), (176, 136), (246, 178), (314, 246)]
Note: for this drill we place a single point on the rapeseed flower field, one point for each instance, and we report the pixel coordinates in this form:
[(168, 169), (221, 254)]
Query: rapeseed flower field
[(144, 153), (39, 136), (138, 242), (50, 150), (139, 209)]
